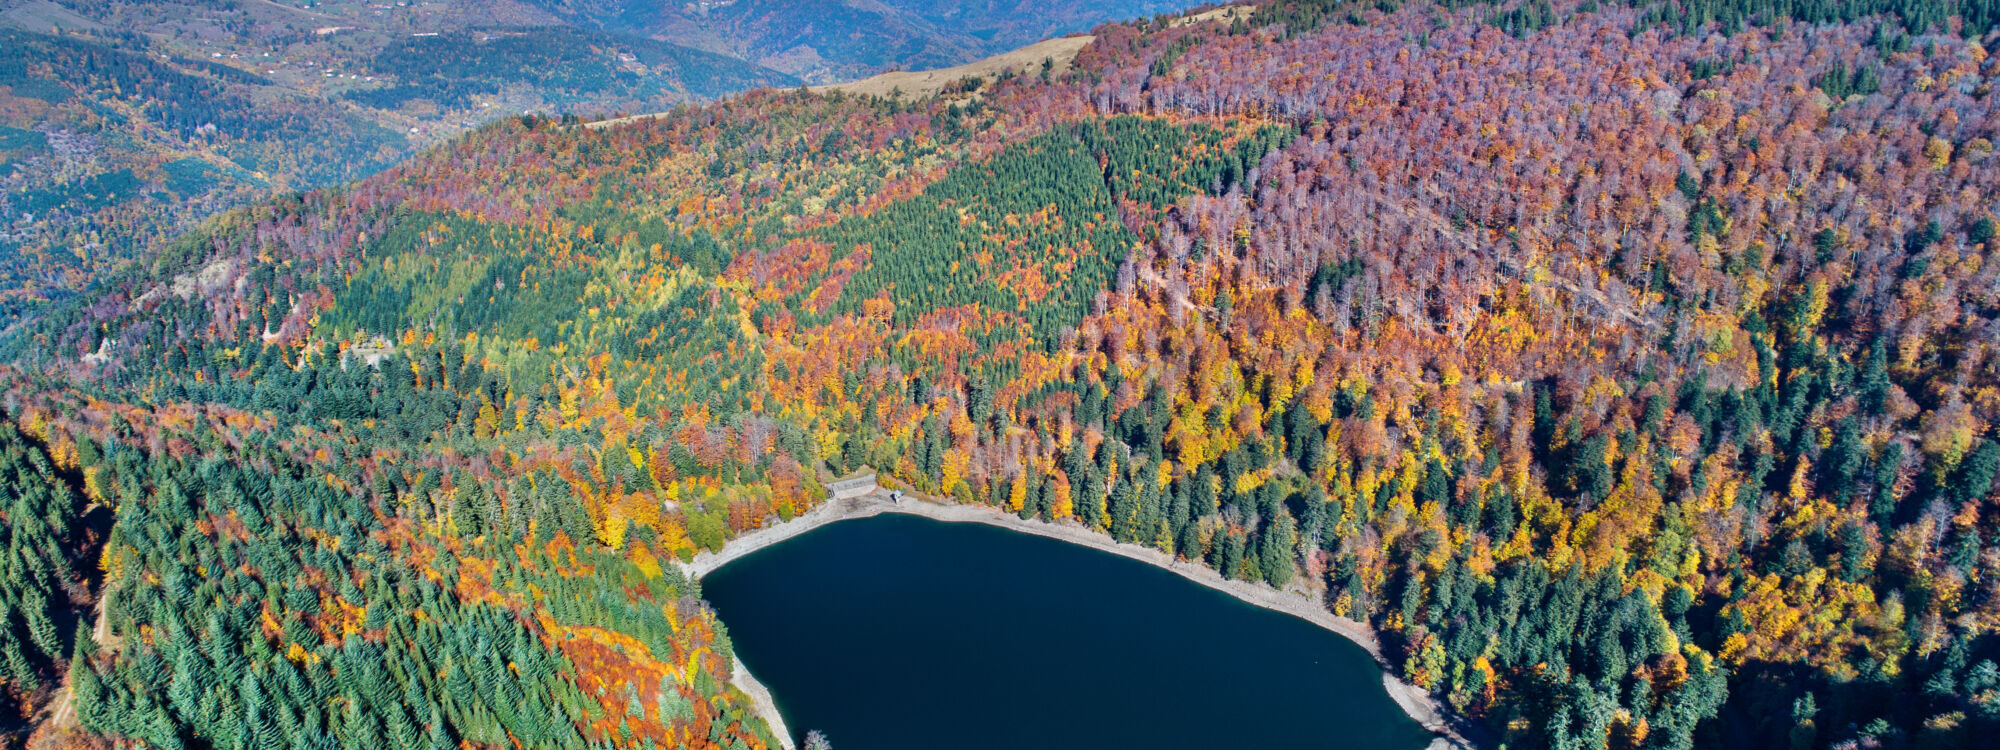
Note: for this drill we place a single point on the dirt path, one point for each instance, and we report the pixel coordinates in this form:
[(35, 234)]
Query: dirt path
[(61, 711), (1295, 600)]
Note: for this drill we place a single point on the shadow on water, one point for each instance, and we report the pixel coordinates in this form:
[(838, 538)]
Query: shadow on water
[(900, 632)]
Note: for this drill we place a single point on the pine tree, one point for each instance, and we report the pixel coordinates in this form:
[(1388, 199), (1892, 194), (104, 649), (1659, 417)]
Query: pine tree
[(1874, 386), (438, 737), (1976, 474), (1124, 510), (1238, 562), (1279, 548), (1882, 509), (153, 723), (190, 682), (1842, 461), (359, 728)]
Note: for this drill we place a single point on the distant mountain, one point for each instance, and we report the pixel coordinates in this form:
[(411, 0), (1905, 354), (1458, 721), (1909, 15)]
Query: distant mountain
[(823, 41)]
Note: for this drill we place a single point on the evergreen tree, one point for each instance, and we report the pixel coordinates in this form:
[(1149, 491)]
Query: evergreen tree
[(1279, 548)]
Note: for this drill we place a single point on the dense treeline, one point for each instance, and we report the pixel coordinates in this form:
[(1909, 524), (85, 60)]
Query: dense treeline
[(316, 593), (42, 590), (1059, 198), (1682, 16), (290, 613), (1634, 382)]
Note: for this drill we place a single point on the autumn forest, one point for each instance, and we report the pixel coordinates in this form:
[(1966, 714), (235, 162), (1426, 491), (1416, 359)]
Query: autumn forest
[(1631, 368)]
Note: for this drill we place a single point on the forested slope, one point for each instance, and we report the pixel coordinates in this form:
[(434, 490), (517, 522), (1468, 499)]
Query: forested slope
[(112, 143), (1634, 376), (125, 122)]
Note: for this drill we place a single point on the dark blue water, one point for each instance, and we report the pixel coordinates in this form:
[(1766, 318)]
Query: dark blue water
[(901, 632)]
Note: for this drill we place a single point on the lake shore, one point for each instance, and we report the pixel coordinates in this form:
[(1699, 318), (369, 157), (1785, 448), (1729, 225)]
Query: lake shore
[(1296, 600), (760, 699)]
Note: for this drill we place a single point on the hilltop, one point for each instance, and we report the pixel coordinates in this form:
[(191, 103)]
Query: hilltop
[(1053, 54), (1048, 58)]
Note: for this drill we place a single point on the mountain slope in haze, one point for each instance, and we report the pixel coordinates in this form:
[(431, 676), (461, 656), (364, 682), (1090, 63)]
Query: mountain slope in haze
[(1628, 370), (824, 41), (109, 147), (111, 140)]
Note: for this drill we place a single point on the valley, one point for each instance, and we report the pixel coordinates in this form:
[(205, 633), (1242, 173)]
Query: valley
[(123, 123)]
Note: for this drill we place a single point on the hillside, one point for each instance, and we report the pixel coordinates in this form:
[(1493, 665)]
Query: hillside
[(1628, 369), (112, 141), (122, 123)]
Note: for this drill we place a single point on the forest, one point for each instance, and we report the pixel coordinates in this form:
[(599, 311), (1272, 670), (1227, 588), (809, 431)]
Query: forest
[(123, 134), (1634, 378)]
